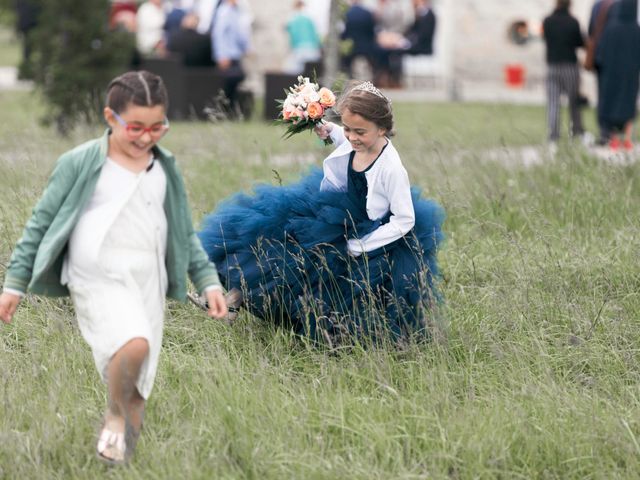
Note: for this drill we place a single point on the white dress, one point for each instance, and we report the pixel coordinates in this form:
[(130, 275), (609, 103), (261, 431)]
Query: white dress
[(115, 266)]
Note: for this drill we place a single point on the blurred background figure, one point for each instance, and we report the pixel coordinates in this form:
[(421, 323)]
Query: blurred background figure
[(391, 24), (420, 33), (417, 39), (122, 15), (600, 16), (26, 20), (150, 20), (176, 11), (230, 34), (562, 38), (193, 47), (599, 13), (391, 16), (304, 41), (205, 10), (618, 60), (360, 34)]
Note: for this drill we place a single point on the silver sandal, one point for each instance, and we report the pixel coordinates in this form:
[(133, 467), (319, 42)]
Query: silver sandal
[(111, 447)]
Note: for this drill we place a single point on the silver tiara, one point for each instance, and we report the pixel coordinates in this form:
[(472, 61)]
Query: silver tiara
[(369, 87)]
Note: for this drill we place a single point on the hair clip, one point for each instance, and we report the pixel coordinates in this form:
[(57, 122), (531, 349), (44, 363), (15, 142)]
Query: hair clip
[(369, 87)]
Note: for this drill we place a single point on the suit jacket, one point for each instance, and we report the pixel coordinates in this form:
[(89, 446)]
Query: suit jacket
[(420, 34), (360, 28), (194, 47)]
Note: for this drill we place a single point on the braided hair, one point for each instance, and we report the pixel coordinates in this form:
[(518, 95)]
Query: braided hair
[(141, 88)]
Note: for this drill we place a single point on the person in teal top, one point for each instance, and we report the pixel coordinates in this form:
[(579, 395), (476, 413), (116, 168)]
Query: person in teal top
[(113, 230), (304, 41)]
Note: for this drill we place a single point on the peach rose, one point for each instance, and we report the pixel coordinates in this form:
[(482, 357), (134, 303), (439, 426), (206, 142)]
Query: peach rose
[(315, 110), (327, 98), (287, 110), (296, 115)]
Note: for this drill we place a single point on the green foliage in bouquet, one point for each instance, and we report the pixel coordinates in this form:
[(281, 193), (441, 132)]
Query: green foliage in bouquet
[(75, 56), (293, 128)]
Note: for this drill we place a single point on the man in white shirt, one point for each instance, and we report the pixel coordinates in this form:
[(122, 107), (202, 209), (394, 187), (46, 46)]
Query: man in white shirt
[(230, 42)]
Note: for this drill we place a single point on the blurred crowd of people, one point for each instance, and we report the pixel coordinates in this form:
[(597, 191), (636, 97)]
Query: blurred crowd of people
[(203, 32), (382, 36), (612, 45), (217, 33)]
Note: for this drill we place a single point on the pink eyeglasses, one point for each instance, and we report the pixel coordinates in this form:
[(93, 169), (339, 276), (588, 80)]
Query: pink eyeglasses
[(136, 131)]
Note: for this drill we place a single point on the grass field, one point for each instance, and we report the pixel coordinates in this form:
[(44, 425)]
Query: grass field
[(534, 372), (9, 43)]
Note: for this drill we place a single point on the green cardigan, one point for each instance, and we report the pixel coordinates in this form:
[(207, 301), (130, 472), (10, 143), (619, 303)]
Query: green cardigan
[(36, 262)]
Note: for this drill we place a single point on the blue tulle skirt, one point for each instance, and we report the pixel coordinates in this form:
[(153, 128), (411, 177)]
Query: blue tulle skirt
[(285, 249)]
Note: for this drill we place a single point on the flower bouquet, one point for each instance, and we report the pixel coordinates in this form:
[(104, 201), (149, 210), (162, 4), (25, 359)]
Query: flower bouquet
[(305, 107)]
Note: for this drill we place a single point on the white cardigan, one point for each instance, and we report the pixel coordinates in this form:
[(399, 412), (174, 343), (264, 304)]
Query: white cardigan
[(388, 190)]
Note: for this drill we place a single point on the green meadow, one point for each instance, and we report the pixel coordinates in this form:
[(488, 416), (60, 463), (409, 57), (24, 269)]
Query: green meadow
[(533, 369)]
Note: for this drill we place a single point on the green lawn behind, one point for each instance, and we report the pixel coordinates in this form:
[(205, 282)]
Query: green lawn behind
[(10, 47)]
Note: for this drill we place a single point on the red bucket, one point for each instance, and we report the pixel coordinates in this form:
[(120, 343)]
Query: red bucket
[(514, 75)]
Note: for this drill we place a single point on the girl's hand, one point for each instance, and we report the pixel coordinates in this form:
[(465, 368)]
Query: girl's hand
[(355, 247), (217, 304), (323, 129), (8, 304)]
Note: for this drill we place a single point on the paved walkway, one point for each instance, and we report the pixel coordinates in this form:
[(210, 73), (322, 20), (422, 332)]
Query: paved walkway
[(533, 155), (485, 92)]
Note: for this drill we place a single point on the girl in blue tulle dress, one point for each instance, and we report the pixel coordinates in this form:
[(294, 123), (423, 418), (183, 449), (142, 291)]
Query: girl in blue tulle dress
[(346, 253)]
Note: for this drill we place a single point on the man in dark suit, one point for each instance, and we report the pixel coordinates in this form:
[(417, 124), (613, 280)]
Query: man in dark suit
[(194, 47), (420, 34), (359, 29)]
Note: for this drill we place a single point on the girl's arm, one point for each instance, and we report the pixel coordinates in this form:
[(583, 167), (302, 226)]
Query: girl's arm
[(398, 190), (329, 181), (20, 267), (205, 277), (325, 130), (337, 135), (202, 272)]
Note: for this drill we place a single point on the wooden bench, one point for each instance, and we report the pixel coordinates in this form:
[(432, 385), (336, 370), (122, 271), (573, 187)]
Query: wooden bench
[(422, 70), (194, 92)]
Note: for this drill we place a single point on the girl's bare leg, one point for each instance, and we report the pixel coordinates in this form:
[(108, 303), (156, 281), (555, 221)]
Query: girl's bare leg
[(126, 406)]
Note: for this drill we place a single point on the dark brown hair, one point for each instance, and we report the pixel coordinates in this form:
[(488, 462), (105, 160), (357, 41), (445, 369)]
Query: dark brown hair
[(142, 88), (374, 107)]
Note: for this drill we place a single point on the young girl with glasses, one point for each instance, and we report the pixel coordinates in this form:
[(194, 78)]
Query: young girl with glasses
[(113, 230), (347, 253)]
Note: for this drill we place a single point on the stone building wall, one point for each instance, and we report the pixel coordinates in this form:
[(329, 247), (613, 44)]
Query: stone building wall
[(480, 42)]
